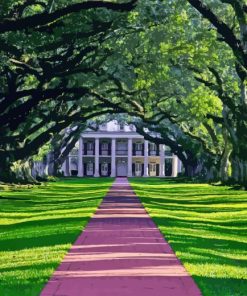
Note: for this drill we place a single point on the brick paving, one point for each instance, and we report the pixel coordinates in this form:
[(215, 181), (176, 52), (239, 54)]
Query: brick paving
[(121, 252)]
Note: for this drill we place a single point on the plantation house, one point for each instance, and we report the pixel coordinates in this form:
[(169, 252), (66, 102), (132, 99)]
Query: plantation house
[(118, 150)]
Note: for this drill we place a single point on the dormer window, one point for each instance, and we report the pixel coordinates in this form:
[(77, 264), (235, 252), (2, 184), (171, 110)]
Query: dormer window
[(104, 126), (121, 126), (131, 127)]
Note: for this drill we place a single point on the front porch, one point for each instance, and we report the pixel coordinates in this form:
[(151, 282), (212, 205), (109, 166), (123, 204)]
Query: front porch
[(106, 168)]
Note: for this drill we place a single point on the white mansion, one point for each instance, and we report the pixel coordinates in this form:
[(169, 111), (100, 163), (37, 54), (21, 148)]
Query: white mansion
[(118, 150)]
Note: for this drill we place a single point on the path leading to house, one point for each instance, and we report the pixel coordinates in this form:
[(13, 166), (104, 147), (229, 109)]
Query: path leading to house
[(121, 252)]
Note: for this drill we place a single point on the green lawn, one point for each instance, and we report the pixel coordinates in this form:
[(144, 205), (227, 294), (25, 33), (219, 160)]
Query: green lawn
[(37, 227), (206, 227)]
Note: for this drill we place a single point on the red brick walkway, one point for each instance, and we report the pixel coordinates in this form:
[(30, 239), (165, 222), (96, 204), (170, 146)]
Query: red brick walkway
[(121, 253)]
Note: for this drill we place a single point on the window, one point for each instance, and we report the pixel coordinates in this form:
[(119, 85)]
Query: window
[(121, 126), (122, 148), (104, 146), (90, 146), (152, 149), (131, 127), (90, 167), (104, 168), (103, 126), (139, 146), (138, 167)]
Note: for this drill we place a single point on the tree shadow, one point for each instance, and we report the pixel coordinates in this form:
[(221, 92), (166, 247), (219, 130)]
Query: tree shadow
[(206, 227), (43, 219)]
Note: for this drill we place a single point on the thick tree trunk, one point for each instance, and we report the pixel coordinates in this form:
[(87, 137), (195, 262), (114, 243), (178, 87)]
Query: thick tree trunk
[(190, 170), (224, 169), (22, 170), (245, 175), (225, 161), (27, 172), (6, 174), (239, 171), (235, 169), (212, 174), (243, 93), (56, 163), (239, 155), (192, 167)]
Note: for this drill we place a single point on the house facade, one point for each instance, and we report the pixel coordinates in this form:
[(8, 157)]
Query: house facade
[(118, 150)]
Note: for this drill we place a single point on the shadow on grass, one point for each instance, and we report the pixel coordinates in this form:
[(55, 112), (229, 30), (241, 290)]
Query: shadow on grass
[(206, 227), (30, 286), (63, 233), (221, 286), (38, 225)]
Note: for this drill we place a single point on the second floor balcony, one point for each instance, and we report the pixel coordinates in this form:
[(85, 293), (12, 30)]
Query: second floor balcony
[(153, 152), (122, 152), (138, 152)]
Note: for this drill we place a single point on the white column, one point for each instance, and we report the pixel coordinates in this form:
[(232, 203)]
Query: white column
[(174, 166), (64, 163), (130, 157), (113, 158), (96, 158), (64, 167), (70, 164), (80, 158), (145, 158), (179, 166), (162, 160), (67, 167)]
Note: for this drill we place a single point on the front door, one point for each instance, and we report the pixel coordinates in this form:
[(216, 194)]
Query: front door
[(122, 168), (90, 169), (152, 169), (138, 169), (104, 169)]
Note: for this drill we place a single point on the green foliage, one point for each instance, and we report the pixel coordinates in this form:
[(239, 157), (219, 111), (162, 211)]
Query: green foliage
[(43, 151), (50, 72), (201, 102), (52, 179)]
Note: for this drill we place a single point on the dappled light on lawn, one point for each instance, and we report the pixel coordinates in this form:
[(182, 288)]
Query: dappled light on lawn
[(206, 227), (38, 226)]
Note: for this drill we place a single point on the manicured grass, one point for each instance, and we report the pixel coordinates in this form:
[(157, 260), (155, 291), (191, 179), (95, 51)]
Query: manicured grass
[(38, 226), (206, 227)]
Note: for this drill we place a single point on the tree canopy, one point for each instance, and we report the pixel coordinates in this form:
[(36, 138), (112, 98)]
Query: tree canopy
[(177, 68)]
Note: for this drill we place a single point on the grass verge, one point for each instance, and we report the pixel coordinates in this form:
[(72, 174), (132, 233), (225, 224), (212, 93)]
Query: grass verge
[(38, 226), (206, 227)]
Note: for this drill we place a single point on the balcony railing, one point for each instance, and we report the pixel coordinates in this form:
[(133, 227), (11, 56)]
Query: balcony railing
[(122, 152), (89, 152), (105, 152), (138, 153), (153, 153)]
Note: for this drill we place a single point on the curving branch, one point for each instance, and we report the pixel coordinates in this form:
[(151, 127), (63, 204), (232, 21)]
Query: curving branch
[(41, 19)]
